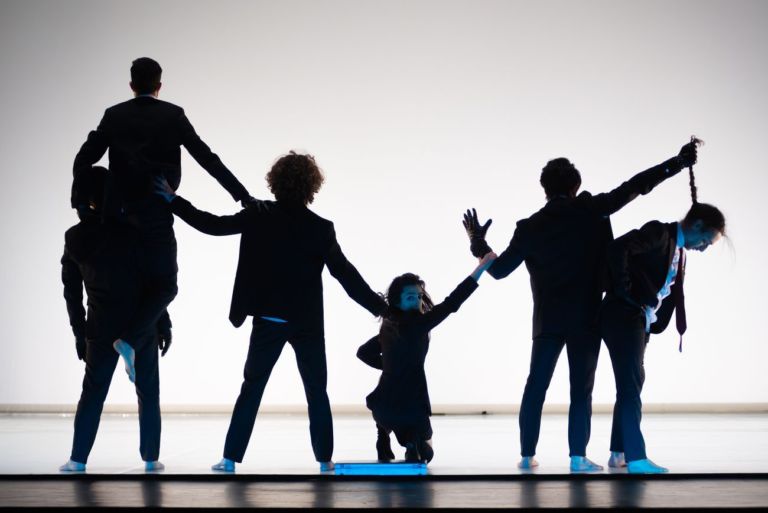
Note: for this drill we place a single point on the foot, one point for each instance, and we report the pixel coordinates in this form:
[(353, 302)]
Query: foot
[(645, 466), (425, 450), (617, 460), (224, 465), (326, 466), (527, 463), (384, 450), (72, 466), (584, 464), (153, 466), (129, 357), (412, 453)]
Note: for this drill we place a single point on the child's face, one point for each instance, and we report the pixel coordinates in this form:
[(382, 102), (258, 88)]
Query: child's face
[(411, 299)]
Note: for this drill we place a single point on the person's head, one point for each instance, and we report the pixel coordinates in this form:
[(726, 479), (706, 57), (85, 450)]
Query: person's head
[(703, 225), (406, 293), (145, 76), (560, 178), (88, 190), (295, 179)]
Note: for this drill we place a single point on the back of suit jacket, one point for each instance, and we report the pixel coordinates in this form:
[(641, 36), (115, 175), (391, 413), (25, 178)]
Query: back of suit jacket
[(283, 250), (144, 136), (563, 247)]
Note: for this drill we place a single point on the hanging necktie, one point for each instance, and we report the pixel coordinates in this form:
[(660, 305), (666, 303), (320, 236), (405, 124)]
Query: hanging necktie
[(679, 298)]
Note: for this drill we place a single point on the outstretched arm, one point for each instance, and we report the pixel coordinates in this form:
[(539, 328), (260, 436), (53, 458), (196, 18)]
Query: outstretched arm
[(608, 203), (210, 161), (90, 152), (353, 283)]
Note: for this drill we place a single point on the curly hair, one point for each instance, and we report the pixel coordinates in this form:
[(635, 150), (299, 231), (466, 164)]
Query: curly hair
[(395, 291), (559, 177), (295, 178)]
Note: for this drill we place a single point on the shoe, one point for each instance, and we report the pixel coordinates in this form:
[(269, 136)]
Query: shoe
[(425, 451), (645, 466), (584, 464), (72, 466), (129, 357), (153, 466), (412, 453), (384, 450), (326, 466), (527, 463), (224, 465), (617, 460)]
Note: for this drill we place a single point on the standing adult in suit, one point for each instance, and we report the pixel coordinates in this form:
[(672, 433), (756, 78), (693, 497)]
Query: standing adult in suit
[(144, 136), (647, 269), (101, 254), (563, 247), (283, 250)]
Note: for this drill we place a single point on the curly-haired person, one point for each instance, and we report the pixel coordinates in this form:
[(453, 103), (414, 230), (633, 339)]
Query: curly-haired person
[(283, 250)]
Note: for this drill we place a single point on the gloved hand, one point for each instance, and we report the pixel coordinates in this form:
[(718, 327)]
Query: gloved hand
[(476, 233), (164, 341), (80, 348)]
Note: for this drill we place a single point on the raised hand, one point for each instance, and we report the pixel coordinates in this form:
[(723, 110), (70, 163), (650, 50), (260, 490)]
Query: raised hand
[(688, 155), (485, 262), (476, 233)]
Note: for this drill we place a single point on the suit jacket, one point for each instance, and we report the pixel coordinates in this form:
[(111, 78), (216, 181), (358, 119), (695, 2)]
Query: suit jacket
[(402, 395), (638, 264), (563, 246), (283, 250), (144, 136), (102, 257)]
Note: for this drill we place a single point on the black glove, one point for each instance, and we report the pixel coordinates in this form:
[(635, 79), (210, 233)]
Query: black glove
[(164, 342), (248, 202), (476, 233), (80, 348), (687, 155)]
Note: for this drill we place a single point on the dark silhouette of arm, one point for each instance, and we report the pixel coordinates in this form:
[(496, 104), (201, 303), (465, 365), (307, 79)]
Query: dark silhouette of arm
[(351, 280), (164, 323), (608, 203), (207, 222), (73, 295), (370, 353), (209, 160), (650, 237), (91, 151), (451, 304), (510, 259)]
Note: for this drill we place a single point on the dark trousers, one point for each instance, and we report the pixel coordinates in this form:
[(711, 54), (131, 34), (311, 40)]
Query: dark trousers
[(583, 351), (419, 429), (623, 329), (267, 341), (156, 260), (100, 362)]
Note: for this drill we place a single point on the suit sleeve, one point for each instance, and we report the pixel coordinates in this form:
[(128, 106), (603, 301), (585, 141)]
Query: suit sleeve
[(651, 237), (209, 160), (511, 258), (450, 305), (207, 222), (608, 203), (370, 353), (73, 295), (90, 152), (351, 280)]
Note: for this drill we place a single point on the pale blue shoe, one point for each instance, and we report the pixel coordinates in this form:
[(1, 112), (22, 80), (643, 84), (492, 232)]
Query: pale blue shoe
[(153, 466), (645, 466), (129, 357), (617, 460), (584, 464), (72, 466), (527, 463), (326, 466), (224, 465)]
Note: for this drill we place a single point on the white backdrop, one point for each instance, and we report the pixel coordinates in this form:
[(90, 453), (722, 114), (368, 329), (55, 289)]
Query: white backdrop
[(416, 110)]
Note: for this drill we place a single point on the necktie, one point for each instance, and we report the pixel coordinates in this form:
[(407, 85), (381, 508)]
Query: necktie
[(679, 299)]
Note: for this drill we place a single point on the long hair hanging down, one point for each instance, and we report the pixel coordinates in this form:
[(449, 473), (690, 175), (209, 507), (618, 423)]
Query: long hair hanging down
[(710, 215)]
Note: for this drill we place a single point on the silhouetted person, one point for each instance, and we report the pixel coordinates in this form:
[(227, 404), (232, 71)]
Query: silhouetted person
[(400, 402), (144, 136), (647, 269), (283, 249), (563, 246), (101, 254)]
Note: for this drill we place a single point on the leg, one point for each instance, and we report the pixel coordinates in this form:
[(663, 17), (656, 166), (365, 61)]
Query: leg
[(544, 355), (267, 340), (383, 446), (100, 363), (148, 393), (583, 350), (309, 346)]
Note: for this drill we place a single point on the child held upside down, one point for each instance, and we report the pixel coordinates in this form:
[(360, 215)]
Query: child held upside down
[(400, 402)]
